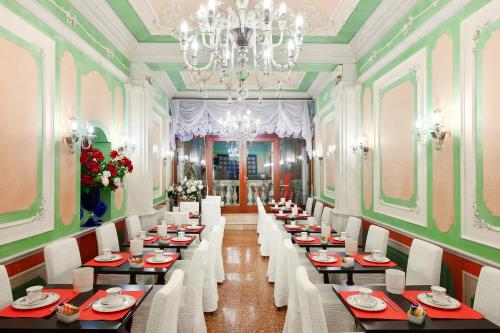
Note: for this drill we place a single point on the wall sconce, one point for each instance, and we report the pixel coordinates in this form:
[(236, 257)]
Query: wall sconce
[(73, 135), (155, 150), (185, 158), (330, 150), (126, 146), (203, 163), (168, 154), (436, 128), (282, 162), (362, 147)]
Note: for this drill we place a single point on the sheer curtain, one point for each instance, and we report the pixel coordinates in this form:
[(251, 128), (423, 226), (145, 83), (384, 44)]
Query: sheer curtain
[(284, 118)]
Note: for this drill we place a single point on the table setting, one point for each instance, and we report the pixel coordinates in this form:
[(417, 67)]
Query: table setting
[(109, 259)]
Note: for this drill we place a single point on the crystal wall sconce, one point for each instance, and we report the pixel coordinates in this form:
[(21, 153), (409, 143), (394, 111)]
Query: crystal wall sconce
[(74, 135)]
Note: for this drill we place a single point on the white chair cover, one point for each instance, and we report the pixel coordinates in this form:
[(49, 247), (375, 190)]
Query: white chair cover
[(133, 225), (311, 310), (281, 275), (353, 227), (338, 222), (326, 216), (211, 213), (309, 204), (165, 307), (191, 318), (177, 217), (210, 295), (107, 238), (61, 258), (318, 210), (424, 264), (5, 288), (487, 296), (219, 264), (214, 198), (189, 206), (275, 240), (377, 239), (265, 235)]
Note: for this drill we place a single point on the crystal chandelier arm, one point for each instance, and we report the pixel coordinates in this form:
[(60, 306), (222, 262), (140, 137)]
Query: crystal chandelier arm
[(195, 65), (280, 41)]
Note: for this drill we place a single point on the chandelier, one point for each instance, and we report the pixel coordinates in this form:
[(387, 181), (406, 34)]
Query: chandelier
[(240, 126), (233, 42)]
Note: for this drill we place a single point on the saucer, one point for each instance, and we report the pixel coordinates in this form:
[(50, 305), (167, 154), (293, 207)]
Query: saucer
[(338, 238), (100, 305), (179, 239), (24, 304), (193, 227), (376, 305), (378, 261), (305, 239), (164, 260), (147, 238), (427, 299), (329, 259), (103, 258)]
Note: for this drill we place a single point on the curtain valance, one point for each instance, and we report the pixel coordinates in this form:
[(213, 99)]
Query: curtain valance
[(200, 117)]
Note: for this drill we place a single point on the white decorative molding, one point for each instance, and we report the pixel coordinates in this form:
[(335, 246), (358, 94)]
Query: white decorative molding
[(156, 161), (331, 116), (43, 221), (446, 12), (416, 63), (473, 226), (163, 80), (319, 84)]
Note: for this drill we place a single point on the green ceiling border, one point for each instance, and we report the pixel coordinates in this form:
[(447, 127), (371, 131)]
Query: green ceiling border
[(170, 67), (134, 24)]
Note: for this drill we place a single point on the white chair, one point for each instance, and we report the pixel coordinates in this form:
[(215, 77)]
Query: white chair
[(214, 198), (321, 312), (318, 210), (5, 288), (275, 240), (61, 258), (281, 275), (107, 238), (219, 263), (338, 221), (210, 296), (376, 239), (309, 204), (177, 217), (210, 213), (189, 206), (353, 227), (488, 294), (326, 216), (424, 264), (191, 318), (133, 225)]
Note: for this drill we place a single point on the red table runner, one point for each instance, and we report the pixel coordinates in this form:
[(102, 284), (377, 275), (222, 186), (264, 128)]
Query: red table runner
[(463, 312), (66, 296), (335, 241), (90, 314), (389, 313), (315, 227), (293, 228), (117, 263), (315, 240), (363, 262), (325, 264), (165, 265)]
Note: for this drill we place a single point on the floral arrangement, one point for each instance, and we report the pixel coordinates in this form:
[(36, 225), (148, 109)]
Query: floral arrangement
[(96, 172), (188, 189)]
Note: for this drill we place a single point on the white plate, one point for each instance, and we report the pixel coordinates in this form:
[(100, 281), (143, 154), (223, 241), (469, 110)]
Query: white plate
[(338, 238), (147, 238), (178, 239), (128, 301), (23, 303), (152, 260), (102, 258), (378, 261), (427, 299), (193, 227), (378, 304), (305, 239), (318, 259)]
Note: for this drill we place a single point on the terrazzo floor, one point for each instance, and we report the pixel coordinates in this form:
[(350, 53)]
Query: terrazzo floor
[(246, 300)]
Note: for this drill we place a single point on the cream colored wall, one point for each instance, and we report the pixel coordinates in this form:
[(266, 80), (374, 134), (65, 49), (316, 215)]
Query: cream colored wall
[(367, 163)]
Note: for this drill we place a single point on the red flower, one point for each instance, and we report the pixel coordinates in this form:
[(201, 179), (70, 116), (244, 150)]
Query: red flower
[(98, 155), (87, 179), (130, 168), (112, 168), (114, 154), (83, 158)]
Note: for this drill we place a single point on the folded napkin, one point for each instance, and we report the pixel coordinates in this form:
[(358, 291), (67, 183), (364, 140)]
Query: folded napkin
[(164, 265), (389, 313), (363, 262), (90, 314), (116, 263), (335, 241), (324, 264), (66, 296), (315, 240), (463, 312)]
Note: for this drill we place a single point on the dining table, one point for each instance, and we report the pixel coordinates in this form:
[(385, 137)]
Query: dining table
[(124, 267), (102, 323), (173, 229), (178, 246), (463, 319), (360, 266), (316, 243)]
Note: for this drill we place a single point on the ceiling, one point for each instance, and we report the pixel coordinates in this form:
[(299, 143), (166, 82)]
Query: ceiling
[(142, 29)]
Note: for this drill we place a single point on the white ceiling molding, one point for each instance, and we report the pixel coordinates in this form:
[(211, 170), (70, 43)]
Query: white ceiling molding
[(387, 14), (445, 13), (147, 15), (46, 16), (105, 20), (341, 15), (252, 95), (319, 83), (163, 80)]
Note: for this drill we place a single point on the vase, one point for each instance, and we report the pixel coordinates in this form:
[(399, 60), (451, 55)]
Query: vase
[(90, 201)]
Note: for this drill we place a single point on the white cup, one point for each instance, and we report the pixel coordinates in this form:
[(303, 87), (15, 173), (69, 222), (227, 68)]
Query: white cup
[(395, 281), (280, 212), (293, 223), (164, 222), (282, 200), (107, 253), (181, 234), (287, 205), (158, 255), (34, 293), (323, 254), (365, 296), (376, 254), (438, 294), (343, 235), (113, 296), (83, 279), (303, 234)]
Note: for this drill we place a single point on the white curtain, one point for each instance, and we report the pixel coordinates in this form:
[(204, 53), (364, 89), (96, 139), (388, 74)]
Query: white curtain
[(199, 118)]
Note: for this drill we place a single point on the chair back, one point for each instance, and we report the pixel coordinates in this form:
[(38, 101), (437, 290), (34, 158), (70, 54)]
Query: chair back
[(194, 277), (177, 218), (326, 216), (133, 225), (165, 307), (107, 238), (311, 308), (5, 288), (189, 206), (377, 239), (318, 210), (309, 204), (61, 258), (488, 294), (424, 264), (353, 227), (292, 262), (211, 213), (214, 198)]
